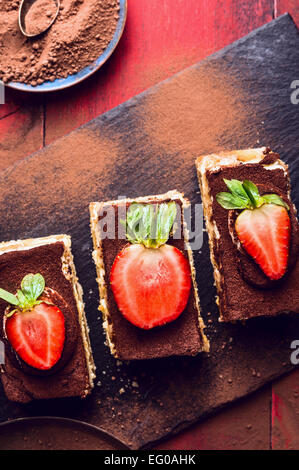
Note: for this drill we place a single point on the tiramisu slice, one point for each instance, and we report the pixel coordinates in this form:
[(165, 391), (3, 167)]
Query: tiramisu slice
[(253, 232), (146, 277), (47, 348)]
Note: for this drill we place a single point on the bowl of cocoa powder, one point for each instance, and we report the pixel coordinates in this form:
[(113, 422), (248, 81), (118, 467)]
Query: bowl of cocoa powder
[(82, 38)]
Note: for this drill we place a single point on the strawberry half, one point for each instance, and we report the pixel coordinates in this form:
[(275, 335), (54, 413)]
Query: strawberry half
[(151, 286), (263, 228), (150, 280), (37, 335), (265, 235), (34, 328)]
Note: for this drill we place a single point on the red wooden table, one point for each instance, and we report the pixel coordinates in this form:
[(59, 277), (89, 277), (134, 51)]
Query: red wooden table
[(161, 38)]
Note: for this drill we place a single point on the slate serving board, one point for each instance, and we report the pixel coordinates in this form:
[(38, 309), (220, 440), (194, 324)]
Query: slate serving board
[(114, 155)]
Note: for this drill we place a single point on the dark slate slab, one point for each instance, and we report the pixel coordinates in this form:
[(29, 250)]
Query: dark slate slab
[(115, 155)]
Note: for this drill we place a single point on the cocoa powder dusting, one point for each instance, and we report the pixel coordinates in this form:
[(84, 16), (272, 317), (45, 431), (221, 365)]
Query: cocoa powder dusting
[(81, 32), (193, 113), (197, 112), (68, 172), (39, 16)]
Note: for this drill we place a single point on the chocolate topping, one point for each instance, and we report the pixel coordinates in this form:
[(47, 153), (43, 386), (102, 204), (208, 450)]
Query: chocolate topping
[(238, 299), (71, 378), (270, 157), (180, 337)]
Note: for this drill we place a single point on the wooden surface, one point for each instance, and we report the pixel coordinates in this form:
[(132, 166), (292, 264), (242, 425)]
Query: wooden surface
[(161, 38)]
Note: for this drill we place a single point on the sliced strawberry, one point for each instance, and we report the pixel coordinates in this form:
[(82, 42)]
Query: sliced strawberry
[(265, 234), (37, 335), (151, 286)]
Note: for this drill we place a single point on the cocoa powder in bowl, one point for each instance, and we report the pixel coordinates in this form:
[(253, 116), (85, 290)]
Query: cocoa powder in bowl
[(81, 32)]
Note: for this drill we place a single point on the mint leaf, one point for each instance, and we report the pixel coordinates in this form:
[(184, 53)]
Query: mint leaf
[(33, 286), (246, 196), (166, 216), (133, 223), (8, 297), (275, 199), (236, 188), (252, 192), (150, 224), (229, 201), (22, 299)]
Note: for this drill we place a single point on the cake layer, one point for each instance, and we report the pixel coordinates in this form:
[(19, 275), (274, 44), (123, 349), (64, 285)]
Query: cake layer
[(183, 336), (239, 296), (75, 371)]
